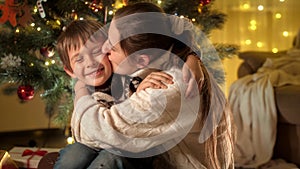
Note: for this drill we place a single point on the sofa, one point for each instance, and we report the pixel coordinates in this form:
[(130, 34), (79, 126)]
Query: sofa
[(287, 100)]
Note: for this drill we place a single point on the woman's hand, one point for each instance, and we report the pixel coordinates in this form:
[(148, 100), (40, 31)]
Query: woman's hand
[(192, 71), (156, 80)]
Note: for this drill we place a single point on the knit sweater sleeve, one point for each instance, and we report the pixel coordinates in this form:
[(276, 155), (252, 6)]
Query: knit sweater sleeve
[(150, 118)]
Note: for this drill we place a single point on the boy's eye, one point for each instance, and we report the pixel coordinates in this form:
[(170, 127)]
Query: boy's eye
[(79, 59), (97, 51)]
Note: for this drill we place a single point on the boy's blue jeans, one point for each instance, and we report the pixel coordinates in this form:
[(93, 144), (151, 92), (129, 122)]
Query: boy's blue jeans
[(80, 156)]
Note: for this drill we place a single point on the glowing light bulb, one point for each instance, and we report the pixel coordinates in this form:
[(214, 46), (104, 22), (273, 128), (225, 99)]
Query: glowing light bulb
[(38, 28), (260, 7), (252, 27), (246, 6), (17, 30), (193, 20), (285, 33), (58, 22), (47, 63), (274, 50), (70, 140), (52, 61), (278, 15), (181, 16), (32, 24), (281, 0), (259, 44), (248, 42), (159, 2), (253, 22), (110, 12)]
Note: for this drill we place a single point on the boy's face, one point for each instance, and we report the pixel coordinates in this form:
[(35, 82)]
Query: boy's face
[(89, 64)]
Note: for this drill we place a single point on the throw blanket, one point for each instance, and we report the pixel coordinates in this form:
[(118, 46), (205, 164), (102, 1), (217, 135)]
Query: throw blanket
[(253, 105)]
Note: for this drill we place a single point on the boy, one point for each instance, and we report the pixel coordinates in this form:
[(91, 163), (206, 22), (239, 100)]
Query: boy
[(79, 48)]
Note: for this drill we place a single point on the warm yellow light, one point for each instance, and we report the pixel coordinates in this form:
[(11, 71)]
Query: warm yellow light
[(81, 18), (70, 140), (259, 44), (281, 0), (260, 7), (110, 12), (35, 10), (52, 61), (31, 64), (58, 22), (246, 6), (285, 33), (253, 22), (17, 30), (274, 50), (38, 28), (86, 2), (159, 2), (47, 63), (181, 16), (252, 27), (32, 24), (193, 19), (278, 15), (248, 42)]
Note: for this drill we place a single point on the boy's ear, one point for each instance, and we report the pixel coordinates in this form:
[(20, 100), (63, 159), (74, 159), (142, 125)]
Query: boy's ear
[(143, 61), (70, 73)]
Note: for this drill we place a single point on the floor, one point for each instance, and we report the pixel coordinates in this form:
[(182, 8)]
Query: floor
[(51, 138)]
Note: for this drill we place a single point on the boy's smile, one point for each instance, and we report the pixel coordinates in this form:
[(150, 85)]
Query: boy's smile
[(90, 65), (96, 73)]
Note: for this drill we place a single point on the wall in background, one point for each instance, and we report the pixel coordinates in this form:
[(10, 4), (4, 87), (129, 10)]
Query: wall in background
[(17, 116)]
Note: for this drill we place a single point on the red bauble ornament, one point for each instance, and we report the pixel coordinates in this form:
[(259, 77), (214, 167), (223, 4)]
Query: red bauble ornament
[(204, 2), (47, 51), (25, 92)]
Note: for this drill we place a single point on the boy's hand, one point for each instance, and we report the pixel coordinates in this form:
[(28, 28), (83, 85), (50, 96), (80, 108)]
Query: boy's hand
[(192, 70), (156, 80)]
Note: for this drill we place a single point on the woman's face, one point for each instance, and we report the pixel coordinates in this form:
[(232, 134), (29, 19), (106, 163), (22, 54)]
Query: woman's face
[(121, 63)]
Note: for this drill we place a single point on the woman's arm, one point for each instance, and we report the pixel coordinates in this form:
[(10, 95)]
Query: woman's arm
[(156, 80), (147, 119)]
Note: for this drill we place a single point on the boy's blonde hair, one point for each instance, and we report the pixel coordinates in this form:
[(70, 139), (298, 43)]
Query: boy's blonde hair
[(74, 36)]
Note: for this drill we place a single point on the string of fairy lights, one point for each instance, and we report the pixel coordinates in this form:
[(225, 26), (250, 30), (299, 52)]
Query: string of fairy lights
[(276, 18)]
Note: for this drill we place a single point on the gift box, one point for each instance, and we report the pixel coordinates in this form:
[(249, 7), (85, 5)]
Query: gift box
[(29, 157), (6, 162)]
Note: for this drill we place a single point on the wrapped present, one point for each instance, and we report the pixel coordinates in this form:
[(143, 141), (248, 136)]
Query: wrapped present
[(6, 162), (29, 157)]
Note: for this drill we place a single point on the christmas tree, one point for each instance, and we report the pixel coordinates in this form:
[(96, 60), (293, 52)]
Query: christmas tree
[(29, 29)]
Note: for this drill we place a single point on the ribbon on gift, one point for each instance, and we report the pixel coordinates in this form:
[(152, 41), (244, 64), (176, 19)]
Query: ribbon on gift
[(31, 153)]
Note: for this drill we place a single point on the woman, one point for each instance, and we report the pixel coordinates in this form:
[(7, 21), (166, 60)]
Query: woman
[(155, 121)]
